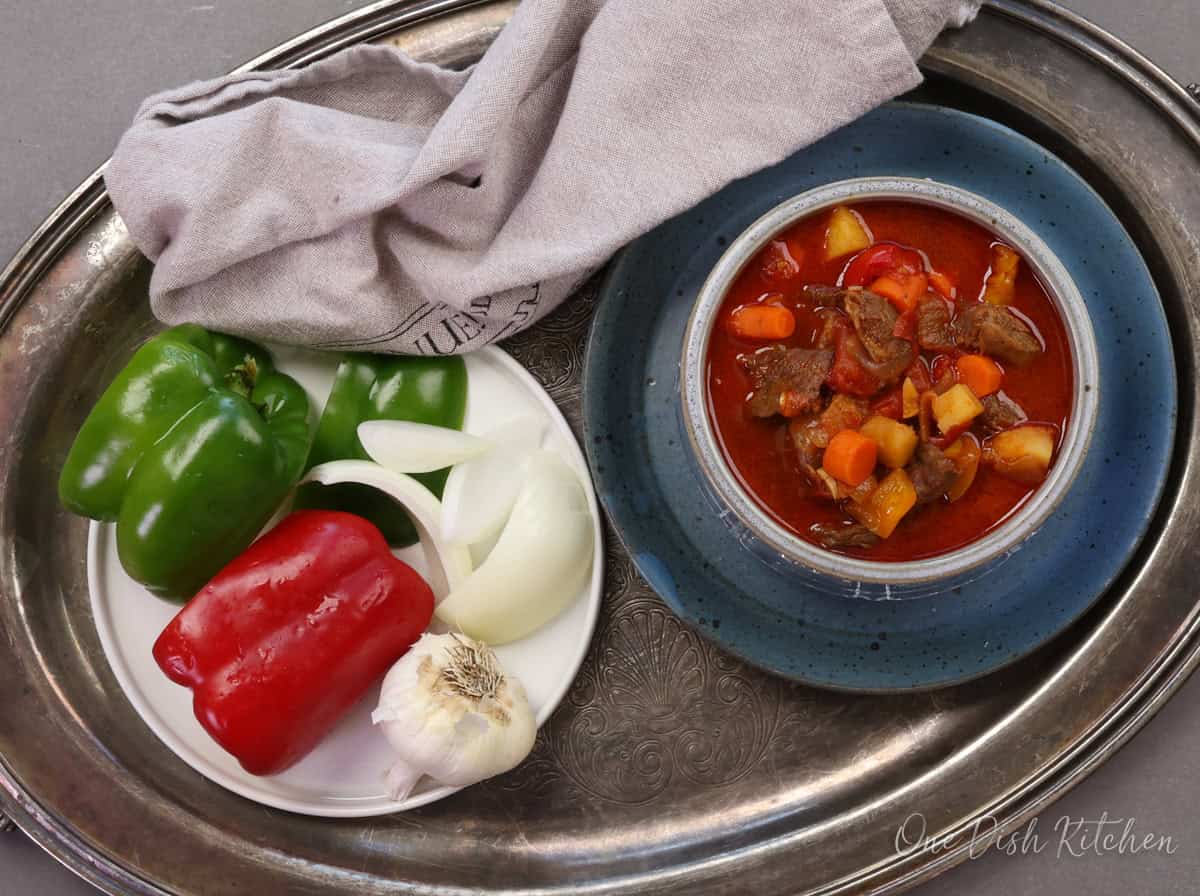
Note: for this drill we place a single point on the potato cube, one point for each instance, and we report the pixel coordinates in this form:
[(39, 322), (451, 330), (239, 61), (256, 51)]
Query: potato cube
[(1023, 452), (897, 441), (1000, 286), (955, 408), (863, 490), (887, 505), (846, 233), (964, 454), (910, 399)]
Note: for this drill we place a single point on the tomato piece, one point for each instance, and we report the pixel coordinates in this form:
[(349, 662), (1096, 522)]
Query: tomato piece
[(943, 365), (882, 258), (777, 263), (919, 374), (848, 374), (906, 326), (890, 405)]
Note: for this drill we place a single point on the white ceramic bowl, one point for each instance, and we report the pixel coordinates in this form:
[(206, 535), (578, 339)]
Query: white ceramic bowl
[(770, 539)]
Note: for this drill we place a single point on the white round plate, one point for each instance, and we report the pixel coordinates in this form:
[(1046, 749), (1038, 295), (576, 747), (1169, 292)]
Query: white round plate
[(343, 776)]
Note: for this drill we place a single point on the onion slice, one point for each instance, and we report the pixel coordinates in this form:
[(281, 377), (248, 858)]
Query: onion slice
[(449, 565), (536, 568), (407, 447), (480, 493)]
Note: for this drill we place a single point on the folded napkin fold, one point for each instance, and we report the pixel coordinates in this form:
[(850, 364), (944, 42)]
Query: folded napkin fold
[(370, 201)]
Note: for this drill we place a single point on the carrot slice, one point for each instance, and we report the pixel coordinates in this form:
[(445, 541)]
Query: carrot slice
[(762, 322), (942, 285), (902, 290), (850, 457), (982, 375)]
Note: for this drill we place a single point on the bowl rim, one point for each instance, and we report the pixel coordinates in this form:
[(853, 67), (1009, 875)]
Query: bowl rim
[(1005, 538)]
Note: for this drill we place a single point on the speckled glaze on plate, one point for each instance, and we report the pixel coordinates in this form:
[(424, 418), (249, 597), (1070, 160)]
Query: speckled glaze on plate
[(650, 485)]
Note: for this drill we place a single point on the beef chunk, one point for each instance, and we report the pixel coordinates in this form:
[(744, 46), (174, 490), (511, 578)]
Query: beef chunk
[(995, 331), (901, 354), (809, 439), (844, 412), (811, 434), (931, 472), (824, 296), (1000, 412), (874, 319), (865, 338), (886, 356), (851, 535), (933, 325), (833, 325), (786, 380)]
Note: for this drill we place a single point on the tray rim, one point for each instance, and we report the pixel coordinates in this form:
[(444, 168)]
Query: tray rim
[(1103, 739)]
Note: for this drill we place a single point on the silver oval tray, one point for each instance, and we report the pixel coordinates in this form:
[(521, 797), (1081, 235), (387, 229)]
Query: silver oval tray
[(670, 767)]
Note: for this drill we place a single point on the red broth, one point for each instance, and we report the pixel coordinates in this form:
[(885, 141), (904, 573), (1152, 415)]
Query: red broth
[(760, 451)]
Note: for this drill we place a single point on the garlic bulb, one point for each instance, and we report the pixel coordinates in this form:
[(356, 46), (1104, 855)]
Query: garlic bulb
[(451, 713)]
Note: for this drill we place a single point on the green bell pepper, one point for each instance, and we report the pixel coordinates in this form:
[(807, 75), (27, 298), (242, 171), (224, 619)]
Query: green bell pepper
[(190, 450), (383, 387)]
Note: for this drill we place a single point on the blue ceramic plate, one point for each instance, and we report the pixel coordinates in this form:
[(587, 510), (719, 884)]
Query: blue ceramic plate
[(651, 488)]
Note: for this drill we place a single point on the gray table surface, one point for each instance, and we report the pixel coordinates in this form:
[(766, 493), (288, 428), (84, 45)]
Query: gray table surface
[(73, 73)]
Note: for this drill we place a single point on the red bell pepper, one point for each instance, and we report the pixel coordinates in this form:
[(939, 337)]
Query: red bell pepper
[(291, 633), (882, 258)]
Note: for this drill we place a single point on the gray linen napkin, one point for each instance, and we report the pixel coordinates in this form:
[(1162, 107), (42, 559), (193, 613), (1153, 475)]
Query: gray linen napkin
[(370, 201)]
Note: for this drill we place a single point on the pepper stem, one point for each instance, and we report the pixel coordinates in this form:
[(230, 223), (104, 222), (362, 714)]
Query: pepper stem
[(243, 377)]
